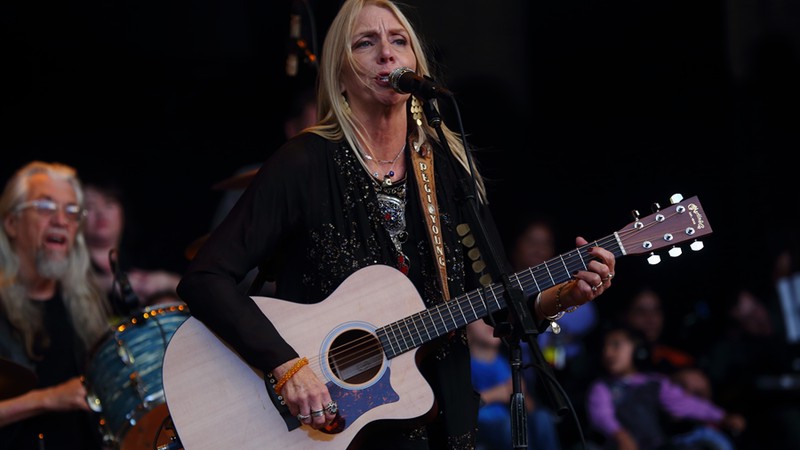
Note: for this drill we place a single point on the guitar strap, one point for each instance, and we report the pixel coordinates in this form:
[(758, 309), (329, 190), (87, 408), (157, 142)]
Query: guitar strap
[(422, 160)]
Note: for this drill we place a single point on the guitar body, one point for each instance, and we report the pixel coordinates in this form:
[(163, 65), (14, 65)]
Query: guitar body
[(216, 400)]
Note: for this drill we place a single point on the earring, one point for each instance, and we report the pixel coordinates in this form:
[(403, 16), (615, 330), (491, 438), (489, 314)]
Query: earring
[(345, 105), (416, 111)]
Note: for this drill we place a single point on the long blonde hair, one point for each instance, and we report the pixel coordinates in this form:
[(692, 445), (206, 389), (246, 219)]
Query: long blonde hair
[(85, 303), (336, 122)]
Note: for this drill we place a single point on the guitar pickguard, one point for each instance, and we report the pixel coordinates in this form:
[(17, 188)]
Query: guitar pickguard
[(355, 402)]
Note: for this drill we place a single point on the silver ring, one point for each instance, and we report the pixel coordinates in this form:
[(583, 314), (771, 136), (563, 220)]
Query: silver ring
[(332, 407), (594, 288), (610, 275), (302, 417), (318, 413)]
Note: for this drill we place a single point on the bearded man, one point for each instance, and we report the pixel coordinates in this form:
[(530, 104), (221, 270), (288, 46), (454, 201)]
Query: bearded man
[(51, 311)]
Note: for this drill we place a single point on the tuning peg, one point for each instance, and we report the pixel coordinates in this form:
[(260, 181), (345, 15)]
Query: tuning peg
[(696, 245), (462, 229), (655, 207), (637, 224), (485, 280), (478, 266), (675, 251), (675, 198), (653, 259), (474, 254)]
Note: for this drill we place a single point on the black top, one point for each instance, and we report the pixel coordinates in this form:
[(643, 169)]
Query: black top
[(62, 360), (638, 409), (311, 217)]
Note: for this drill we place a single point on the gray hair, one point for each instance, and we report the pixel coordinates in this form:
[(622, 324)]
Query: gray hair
[(86, 304)]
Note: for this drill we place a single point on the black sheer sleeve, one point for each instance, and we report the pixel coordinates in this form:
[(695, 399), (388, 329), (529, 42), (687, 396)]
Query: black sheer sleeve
[(270, 211)]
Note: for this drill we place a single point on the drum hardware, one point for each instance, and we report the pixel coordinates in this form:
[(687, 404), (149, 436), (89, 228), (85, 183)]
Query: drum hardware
[(124, 353), (174, 441), (124, 299), (174, 444)]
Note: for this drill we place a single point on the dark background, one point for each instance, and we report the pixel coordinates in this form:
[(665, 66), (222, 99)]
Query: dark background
[(581, 109)]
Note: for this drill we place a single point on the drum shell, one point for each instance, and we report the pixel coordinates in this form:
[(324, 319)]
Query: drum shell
[(124, 377)]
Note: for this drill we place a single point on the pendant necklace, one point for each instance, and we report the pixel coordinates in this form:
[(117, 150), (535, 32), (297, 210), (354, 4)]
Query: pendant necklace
[(387, 178), (392, 208)]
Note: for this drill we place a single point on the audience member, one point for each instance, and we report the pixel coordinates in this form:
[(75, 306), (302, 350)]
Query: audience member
[(105, 233), (492, 378), (644, 313), (750, 367), (694, 381), (786, 278), (632, 406), (51, 312), (784, 251)]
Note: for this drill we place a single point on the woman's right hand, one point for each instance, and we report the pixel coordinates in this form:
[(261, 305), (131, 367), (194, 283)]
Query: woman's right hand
[(304, 394)]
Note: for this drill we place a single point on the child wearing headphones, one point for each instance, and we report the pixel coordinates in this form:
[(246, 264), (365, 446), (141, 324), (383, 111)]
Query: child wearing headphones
[(631, 406)]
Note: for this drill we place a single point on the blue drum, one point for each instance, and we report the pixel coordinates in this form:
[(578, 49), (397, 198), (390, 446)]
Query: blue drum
[(123, 378)]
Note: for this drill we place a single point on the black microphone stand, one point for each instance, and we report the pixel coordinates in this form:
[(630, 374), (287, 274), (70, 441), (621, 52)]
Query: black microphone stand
[(125, 300), (522, 325)]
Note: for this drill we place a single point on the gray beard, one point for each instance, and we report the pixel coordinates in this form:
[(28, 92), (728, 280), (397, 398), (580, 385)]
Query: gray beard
[(49, 267)]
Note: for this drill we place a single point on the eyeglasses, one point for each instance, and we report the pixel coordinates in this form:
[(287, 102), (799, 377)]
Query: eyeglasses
[(47, 208)]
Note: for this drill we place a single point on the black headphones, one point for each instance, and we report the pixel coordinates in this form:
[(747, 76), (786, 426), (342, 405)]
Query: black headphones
[(642, 353)]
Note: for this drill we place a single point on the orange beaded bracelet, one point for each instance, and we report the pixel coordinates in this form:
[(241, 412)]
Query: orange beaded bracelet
[(289, 373)]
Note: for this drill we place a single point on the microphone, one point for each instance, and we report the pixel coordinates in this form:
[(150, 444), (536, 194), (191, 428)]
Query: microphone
[(127, 298), (295, 25), (406, 81)]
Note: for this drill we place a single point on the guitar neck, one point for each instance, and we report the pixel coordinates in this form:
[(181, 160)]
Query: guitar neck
[(413, 331)]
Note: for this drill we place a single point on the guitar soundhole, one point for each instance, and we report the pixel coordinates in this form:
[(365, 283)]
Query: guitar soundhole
[(355, 356)]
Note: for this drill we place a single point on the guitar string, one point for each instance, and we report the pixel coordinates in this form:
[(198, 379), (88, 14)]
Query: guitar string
[(528, 281), (372, 339), (570, 261)]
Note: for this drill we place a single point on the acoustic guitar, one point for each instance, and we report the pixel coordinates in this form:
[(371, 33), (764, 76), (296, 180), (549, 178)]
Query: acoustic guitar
[(362, 341)]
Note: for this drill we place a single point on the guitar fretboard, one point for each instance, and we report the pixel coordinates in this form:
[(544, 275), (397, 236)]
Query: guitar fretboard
[(411, 332)]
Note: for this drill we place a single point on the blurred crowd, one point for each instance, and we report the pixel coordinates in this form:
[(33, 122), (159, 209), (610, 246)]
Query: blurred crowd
[(702, 374)]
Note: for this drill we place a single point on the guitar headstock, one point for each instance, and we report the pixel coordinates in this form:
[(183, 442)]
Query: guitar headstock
[(681, 221)]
